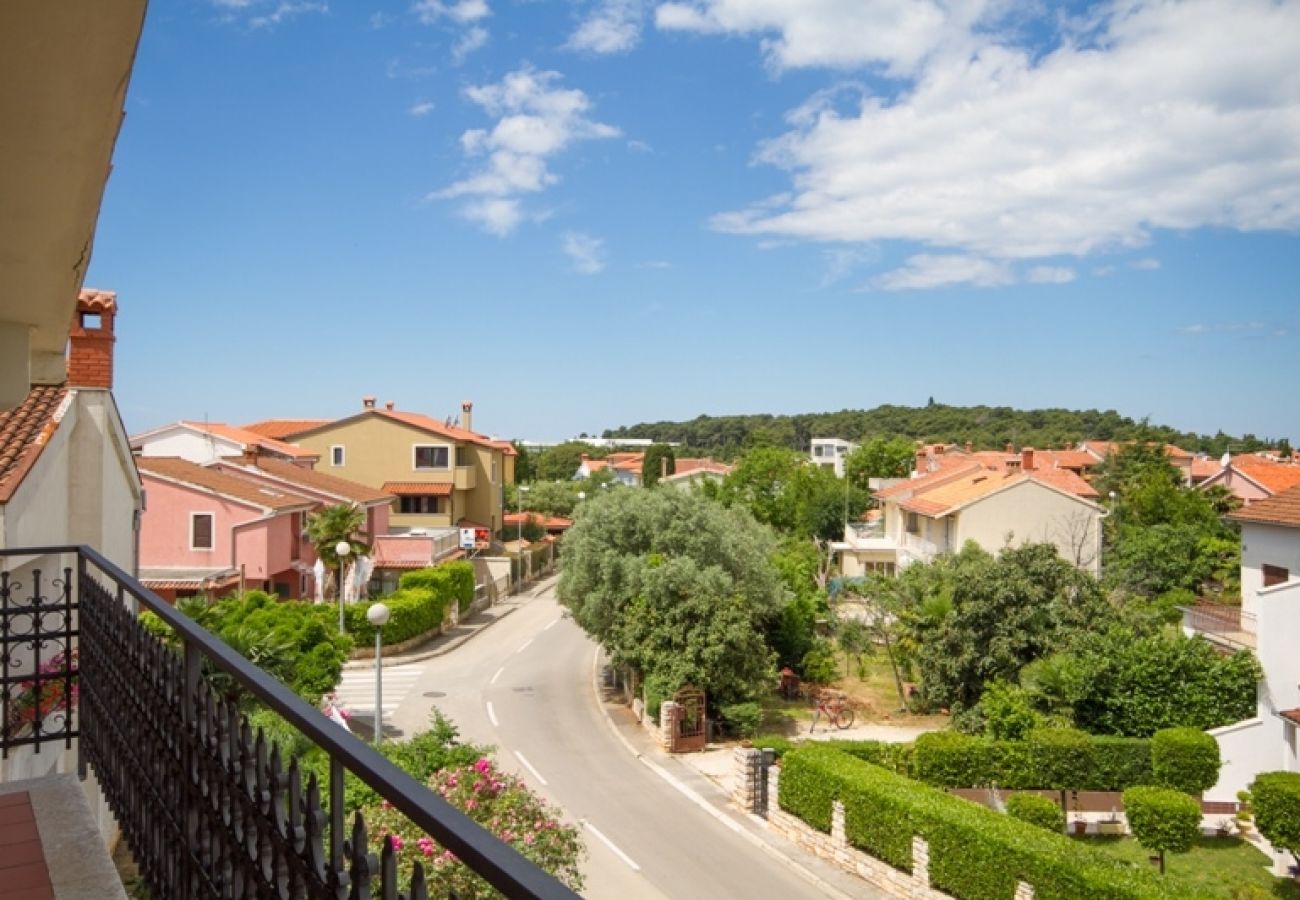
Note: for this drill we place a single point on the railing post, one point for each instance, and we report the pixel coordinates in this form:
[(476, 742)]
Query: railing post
[(85, 725)]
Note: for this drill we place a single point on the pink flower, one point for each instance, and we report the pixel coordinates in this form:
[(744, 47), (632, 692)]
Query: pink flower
[(426, 846), (483, 766), (398, 843)]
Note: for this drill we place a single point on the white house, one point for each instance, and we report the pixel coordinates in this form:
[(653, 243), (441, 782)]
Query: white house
[(208, 442), (829, 452), (938, 512), (1270, 621)]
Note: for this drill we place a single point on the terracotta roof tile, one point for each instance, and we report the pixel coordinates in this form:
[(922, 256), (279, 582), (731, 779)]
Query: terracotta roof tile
[(24, 432), (1066, 480), (418, 488), (322, 481), (704, 463), (1280, 509), (1204, 467), (245, 437), (171, 468), (403, 552), (1272, 476), (280, 429), (555, 523), (425, 423), (1291, 715)]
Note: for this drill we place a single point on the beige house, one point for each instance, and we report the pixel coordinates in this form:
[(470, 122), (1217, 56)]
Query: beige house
[(442, 475), (940, 511)]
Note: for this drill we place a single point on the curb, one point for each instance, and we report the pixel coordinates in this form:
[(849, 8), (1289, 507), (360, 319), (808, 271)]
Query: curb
[(690, 794), (404, 658)]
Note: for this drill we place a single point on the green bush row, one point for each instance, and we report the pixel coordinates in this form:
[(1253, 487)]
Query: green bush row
[(1053, 759), (453, 580), (412, 612), (975, 853)]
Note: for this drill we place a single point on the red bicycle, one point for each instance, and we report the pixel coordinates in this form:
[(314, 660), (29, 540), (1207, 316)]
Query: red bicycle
[(838, 712)]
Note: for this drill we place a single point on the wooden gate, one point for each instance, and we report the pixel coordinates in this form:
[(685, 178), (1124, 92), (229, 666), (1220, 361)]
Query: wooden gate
[(688, 735)]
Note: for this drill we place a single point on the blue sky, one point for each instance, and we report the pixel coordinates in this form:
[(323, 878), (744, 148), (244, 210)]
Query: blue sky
[(587, 214)]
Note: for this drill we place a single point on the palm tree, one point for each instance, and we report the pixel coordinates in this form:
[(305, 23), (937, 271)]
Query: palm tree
[(332, 525)]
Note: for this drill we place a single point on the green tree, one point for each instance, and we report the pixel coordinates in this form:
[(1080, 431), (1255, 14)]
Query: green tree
[(854, 639), (677, 586), (333, 525), (523, 463), (1185, 759), (560, 463), (1008, 713), (659, 460), (1163, 820), (759, 483), (879, 458), (1276, 799), (975, 618)]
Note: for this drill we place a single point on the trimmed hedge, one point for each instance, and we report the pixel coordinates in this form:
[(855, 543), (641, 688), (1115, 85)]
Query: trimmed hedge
[(1037, 810), (453, 580), (896, 758), (975, 853), (1163, 819), (412, 612), (1276, 799), (1051, 759), (1185, 759)]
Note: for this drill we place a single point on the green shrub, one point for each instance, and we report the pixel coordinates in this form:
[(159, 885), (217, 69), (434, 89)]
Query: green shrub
[(1276, 800), (1162, 819), (778, 743), (450, 581), (975, 853), (819, 665), (896, 758), (1037, 810), (1185, 759), (743, 719), (412, 611), (1050, 759), (1008, 714)]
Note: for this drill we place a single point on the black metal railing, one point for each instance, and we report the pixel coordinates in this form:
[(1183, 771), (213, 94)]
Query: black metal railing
[(208, 807)]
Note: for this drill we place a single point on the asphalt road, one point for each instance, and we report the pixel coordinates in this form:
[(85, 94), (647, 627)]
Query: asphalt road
[(525, 686)]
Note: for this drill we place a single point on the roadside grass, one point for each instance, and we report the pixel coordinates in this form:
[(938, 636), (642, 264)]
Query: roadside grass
[(1227, 866)]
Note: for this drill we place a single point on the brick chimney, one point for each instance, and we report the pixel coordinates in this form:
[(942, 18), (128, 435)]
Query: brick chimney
[(969, 447), (467, 415), (1027, 458), (91, 339), (367, 402), (922, 461), (1010, 448), (388, 405), (251, 453)]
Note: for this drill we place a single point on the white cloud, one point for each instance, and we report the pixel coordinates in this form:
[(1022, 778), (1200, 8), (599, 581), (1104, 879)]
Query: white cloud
[(232, 4), (1148, 264), (639, 146), (614, 26), (586, 252), (928, 270), (1159, 116), (841, 262), (536, 119), (284, 11), (895, 34), (421, 108), (475, 38), (1050, 275), (461, 12)]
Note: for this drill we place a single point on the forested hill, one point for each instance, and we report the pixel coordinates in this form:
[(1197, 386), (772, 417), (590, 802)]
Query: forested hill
[(987, 427)]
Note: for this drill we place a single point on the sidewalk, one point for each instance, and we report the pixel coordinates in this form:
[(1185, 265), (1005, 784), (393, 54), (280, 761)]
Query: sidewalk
[(704, 779), (464, 631)]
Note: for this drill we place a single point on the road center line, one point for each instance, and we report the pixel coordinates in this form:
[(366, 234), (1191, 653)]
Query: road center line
[(554, 622), (529, 767), (611, 845), (497, 675), (492, 714), (524, 646)]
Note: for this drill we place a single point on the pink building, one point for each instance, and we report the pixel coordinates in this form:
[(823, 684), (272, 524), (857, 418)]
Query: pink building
[(205, 530)]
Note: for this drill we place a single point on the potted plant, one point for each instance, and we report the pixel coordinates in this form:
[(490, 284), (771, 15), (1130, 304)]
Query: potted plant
[(1079, 824), (1245, 813)]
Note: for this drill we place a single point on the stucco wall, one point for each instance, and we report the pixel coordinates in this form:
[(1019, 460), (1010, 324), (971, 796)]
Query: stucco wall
[(1032, 513), (1275, 545), (200, 449), (165, 530)]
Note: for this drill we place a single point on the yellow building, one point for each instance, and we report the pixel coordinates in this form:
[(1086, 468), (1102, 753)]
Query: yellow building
[(442, 475)]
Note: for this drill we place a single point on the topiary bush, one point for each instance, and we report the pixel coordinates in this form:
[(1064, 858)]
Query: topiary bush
[(453, 581), (1162, 819), (1185, 759), (412, 611), (1037, 810), (975, 853), (1276, 800)]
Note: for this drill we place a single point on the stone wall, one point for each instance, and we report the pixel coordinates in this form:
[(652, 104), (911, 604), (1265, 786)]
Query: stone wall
[(834, 847)]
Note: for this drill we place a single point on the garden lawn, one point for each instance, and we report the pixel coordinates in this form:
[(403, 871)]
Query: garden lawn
[(1221, 865), (872, 691)]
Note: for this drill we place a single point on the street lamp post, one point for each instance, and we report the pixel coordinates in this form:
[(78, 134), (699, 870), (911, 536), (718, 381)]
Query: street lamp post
[(342, 549), (519, 536), (378, 617)]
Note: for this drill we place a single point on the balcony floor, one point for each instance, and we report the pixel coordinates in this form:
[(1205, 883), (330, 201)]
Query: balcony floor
[(49, 845)]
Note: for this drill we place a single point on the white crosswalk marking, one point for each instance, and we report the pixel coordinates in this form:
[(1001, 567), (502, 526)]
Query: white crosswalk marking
[(356, 692)]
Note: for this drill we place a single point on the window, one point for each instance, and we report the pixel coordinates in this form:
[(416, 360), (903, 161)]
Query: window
[(913, 523), (336, 455), (200, 531), (430, 456), (819, 450), (418, 505), (1275, 575)]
